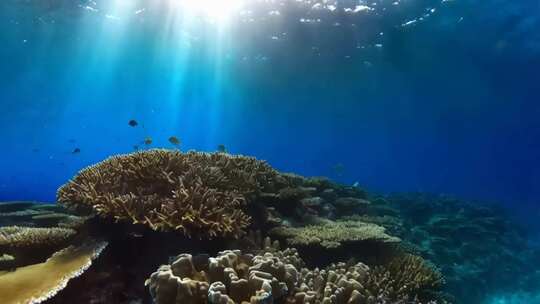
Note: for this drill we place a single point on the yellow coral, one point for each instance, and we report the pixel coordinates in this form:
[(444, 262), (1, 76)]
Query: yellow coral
[(195, 193), (39, 282)]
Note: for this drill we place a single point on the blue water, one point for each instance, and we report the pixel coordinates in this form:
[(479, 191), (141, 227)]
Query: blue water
[(444, 104), (448, 104), (432, 96)]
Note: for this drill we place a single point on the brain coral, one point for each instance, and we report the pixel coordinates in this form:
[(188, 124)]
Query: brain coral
[(196, 193)]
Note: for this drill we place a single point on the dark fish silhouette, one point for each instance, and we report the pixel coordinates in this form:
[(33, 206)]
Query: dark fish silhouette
[(133, 123), (148, 141), (339, 169), (221, 148), (76, 151), (174, 140), (35, 150), (136, 147), (71, 141)]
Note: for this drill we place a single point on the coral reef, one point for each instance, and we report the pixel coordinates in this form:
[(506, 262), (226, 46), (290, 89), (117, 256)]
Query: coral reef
[(231, 277), (14, 206), (472, 245), (279, 277), (199, 194), (35, 214), (397, 247), (332, 234), (407, 274), (15, 237), (39, 282), (7, 261)]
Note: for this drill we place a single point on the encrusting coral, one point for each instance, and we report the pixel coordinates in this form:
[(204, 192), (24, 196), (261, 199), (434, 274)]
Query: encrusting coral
[(199, 194), (15, 237), (332, 234), (39, 282)]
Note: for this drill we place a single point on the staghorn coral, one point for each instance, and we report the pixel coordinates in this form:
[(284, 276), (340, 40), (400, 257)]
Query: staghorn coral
[(332, 234), (39, 282), (15, 237), (196, 193), (231, 277)]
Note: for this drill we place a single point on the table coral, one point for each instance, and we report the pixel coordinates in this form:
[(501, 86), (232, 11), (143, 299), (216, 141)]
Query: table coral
[(331, 234), (15, 237), (200, 194), (39, 282)]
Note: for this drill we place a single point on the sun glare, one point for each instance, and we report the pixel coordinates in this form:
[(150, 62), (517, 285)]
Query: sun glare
[(215, 10)]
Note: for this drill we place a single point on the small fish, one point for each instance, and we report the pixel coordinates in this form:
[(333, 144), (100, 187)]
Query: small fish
[(76, 151), (221, 148), (339, 168), (133, 123), (136, 147), (35, 150), (356, 184), (71, 141), (135, 235), (174, 140), (148, 141)]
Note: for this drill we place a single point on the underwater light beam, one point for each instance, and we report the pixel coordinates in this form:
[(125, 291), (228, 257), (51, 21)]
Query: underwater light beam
[(216, 10)]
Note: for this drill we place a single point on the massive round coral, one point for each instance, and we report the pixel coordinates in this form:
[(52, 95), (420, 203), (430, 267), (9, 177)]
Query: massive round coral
[(199, 194)]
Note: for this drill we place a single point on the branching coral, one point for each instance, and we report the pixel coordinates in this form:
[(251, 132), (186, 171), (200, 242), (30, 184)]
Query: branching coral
[(196, 193), (36, 283), (330, 234), (407, 275), (15, 237)]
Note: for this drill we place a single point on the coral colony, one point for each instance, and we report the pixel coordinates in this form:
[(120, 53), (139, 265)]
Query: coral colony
[(231, 229)]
